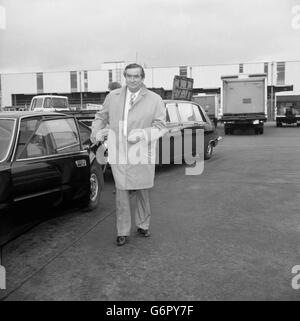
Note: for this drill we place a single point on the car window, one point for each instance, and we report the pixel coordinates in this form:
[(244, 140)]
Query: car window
[(205, 116), (29, 145), (47, 103), (39, 103), (85, 133), (64, 135), (186, 112), (49, 137), (172, 115), (59, 102), (197, 113), (33, 104)]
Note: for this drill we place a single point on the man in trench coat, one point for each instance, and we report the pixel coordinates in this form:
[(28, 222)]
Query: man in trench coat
[(136, 119)]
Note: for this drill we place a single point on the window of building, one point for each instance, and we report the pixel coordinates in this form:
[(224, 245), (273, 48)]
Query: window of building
[(280, 73), (40, 83), (85, 76), (110, 76), (183, 71), (241, 68), (266, 68), (73, 79)]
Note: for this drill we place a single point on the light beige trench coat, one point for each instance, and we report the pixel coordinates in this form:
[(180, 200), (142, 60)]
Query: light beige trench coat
[(147, 112)]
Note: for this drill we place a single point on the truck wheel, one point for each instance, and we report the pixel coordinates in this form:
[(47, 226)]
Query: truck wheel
[(208, 151), (97, 184)]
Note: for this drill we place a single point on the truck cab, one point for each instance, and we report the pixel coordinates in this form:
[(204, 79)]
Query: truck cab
[(49, 103)]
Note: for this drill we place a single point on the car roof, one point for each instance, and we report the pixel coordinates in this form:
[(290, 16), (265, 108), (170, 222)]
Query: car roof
[(50, 96), (20, 114), (166, 101)]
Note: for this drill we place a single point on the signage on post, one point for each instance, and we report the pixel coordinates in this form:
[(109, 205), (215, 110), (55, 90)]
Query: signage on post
[(182, 88)]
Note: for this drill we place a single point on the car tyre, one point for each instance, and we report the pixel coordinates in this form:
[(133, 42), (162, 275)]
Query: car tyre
[(97, 184), (208, 151)]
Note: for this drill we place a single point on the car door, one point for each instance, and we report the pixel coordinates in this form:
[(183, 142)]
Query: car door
[(170, 145), (48, 161)]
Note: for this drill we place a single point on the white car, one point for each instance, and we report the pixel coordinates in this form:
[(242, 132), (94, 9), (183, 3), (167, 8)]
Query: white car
[(49, 103)]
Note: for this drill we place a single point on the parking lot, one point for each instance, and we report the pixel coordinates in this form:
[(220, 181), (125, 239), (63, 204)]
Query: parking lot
[(231, 233)]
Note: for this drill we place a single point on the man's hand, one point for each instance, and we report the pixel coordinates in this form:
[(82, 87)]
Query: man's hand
[(136, 135), (101, 134)]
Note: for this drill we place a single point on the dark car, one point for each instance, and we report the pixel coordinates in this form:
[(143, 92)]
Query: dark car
[(46, 157), (184, 118)]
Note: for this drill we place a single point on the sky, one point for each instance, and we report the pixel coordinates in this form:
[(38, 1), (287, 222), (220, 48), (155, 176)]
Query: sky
[(62, 35)]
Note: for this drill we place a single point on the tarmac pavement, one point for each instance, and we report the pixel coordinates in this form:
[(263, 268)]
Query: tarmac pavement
[(232, 233)]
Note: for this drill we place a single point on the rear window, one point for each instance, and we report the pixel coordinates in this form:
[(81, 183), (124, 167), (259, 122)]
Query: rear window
[(59, 103), (186, 112)]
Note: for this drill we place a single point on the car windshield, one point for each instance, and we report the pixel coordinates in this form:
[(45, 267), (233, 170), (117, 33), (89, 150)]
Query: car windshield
[(59, 103), (6, 134)]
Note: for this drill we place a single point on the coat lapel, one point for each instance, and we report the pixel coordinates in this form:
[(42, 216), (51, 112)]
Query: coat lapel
[(142, 93)]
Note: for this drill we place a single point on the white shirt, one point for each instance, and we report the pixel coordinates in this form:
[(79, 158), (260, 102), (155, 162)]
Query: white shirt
[(127, 107)]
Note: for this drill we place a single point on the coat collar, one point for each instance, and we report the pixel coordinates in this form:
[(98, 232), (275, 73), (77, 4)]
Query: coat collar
[(122, 92)]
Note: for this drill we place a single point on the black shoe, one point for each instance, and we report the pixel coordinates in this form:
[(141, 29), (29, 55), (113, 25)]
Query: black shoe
[(121, 240), (143, 232)]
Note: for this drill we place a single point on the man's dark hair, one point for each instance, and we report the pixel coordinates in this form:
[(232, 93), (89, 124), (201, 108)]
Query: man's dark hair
[(131, 66)]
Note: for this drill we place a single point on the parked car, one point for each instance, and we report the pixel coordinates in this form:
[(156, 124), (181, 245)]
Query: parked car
[(47, 157), (49, 103), (183, 115), (184, 118)]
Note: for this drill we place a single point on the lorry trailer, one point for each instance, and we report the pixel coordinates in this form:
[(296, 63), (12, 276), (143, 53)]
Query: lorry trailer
[(244, 102), (211, 105)]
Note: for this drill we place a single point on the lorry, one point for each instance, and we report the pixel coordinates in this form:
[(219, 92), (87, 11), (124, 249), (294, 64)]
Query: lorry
[(244, 102), (211, 105), (287, 113), (55, 103)]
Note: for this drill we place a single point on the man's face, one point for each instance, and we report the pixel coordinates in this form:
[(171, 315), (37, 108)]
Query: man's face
[(134, 80)]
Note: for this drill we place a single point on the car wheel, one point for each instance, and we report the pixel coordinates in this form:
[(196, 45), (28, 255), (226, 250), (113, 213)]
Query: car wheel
[(208, 151), (97, 184)]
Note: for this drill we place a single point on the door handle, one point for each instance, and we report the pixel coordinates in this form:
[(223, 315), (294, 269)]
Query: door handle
[(80, 163)]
